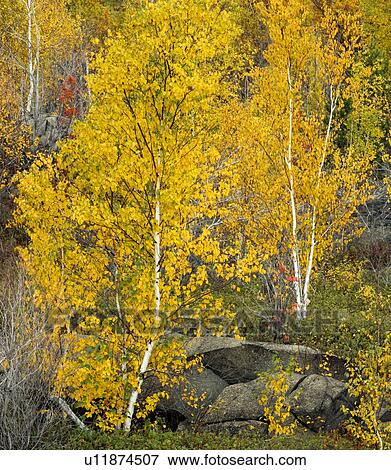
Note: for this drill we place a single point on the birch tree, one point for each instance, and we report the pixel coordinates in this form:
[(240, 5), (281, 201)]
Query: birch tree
[(299, 189), (115, 220), (35, 35)]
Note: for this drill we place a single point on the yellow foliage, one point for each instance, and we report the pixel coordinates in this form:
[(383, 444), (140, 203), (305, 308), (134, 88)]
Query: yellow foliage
[(274, 399), (15, 146), (99, 368), (171, 184), (369, 385), (295, 189), (54, 37), (118, 219)]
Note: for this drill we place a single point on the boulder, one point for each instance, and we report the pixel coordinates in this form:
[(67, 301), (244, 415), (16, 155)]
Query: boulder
[(229, 427), (191, 396), (241, 401), (333, 366), (49, 129), (385, 414), (242, 361), (229, 388), (317, 400), (204, 344)]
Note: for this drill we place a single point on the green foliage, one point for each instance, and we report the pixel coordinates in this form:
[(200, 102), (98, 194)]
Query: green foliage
[(377, 17), (154, 439), (349, 311)]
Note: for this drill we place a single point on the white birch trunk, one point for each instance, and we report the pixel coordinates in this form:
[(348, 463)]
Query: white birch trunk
[(122, 320), (313, 242), (30, 58), (295, 247), (37, 65), (67, 409), (310, 263), (148, 353), (33, 60)]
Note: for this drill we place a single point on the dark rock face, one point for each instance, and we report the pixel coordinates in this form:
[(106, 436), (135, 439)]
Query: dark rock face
[(241, 361), (229, 388), (317, 402), (191, 397), (241, 401), (332, 366), (385, 415), (49, 129), (385, 411)]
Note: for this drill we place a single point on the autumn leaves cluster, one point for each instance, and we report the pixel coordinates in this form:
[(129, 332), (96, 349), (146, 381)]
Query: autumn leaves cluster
[(212, 150)]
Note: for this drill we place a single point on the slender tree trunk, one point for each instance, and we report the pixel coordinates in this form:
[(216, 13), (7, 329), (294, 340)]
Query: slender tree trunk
[(122, 320), (33, 59), (67, 409), (157, 257), (30, 58), (37, 66), (310, 262), (87, 65), (295, 248)]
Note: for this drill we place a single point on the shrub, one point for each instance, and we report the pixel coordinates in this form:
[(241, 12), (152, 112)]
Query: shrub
[(369, 384), (27, 366), (275, 401)]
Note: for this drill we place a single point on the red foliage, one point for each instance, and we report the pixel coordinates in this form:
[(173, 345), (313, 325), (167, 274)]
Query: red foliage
[(71, 80), (67, 97), (70, 112), (281, 268), (286, 338)]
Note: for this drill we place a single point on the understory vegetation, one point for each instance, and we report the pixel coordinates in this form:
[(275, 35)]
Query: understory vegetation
[(154, 439)]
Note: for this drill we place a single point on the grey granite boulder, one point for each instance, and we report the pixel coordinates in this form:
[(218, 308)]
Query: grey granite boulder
[(226, 394), (242, 401), (191, 396), (317, 402), (242, 361)]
